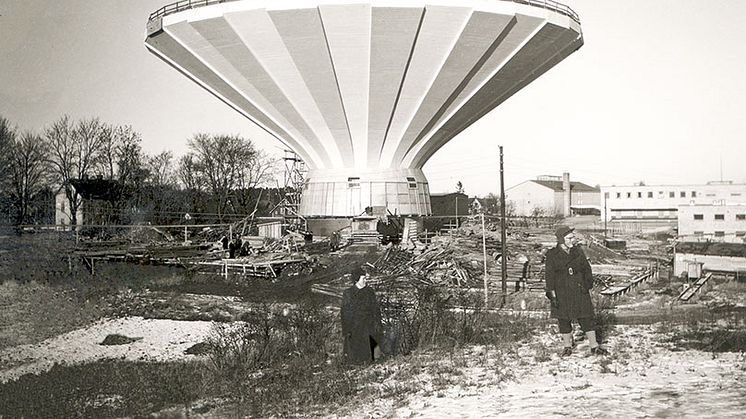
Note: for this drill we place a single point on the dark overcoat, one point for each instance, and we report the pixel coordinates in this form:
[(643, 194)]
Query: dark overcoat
[(569, 276), (361, 324)]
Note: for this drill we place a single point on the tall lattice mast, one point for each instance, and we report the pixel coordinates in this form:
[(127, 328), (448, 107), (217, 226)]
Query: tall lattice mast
[(295, 171)]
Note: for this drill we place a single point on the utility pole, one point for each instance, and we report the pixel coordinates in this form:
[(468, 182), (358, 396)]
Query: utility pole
[(484, 255), (503, 235), (606, 217), (457, 211)]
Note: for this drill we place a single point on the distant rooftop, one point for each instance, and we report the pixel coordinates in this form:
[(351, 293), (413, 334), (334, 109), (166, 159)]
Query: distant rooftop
[(719, 203), (681, 185), (556, 185), (442, 194)]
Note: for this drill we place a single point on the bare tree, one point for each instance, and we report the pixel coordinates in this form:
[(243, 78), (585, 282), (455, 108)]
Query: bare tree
[(28, 167), (129, 156), (189, 173), (226, 166), (162, 198), (7, 139), (255, 173), (74, 152), (160, 168), (106, 161)]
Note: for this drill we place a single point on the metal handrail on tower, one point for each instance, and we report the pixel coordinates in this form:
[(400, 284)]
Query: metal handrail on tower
[(182, 5)]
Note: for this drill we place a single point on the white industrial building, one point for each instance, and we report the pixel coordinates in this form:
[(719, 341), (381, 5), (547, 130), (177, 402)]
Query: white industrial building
[(661, 202), (553, 195), (723, 223)]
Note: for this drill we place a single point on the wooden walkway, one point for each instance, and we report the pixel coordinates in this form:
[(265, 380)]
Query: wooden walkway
[(693, 289), (266, 269), (620, 289)]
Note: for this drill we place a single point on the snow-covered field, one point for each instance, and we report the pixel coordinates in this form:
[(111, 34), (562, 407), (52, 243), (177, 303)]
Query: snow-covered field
[(643, 377)]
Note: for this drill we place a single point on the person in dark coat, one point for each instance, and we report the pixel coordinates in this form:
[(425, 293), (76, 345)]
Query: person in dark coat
[(361, 321), (568, 283), (334, 241)]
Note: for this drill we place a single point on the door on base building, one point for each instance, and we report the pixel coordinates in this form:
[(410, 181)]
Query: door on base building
[(353, 189)]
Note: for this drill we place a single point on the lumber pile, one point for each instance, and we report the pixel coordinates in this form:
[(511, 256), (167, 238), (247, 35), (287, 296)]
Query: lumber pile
[(434, 266)]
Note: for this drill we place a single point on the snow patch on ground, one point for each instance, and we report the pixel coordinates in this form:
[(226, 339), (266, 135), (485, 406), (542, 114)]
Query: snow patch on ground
[(162, 340), (643, 377)]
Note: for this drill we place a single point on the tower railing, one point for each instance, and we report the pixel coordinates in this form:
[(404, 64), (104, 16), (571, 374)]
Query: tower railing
[(182, 5)]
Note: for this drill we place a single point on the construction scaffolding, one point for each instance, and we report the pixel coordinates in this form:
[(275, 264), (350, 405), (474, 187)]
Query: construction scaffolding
[(294, 178)]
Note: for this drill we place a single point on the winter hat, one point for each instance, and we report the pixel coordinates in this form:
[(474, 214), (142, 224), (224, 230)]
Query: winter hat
[(563, 231), (356, 273)]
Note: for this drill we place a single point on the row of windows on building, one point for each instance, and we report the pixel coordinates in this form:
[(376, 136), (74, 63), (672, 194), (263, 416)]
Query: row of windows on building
[(661, 194), (720, 217), (721, 233), (354, 183)]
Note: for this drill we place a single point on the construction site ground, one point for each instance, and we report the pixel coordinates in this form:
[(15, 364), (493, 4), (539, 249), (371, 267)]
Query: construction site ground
[(655, 367)]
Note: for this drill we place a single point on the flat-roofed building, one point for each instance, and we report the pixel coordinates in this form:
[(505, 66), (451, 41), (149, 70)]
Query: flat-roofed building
[(722, 223), (703, 257), (661, 202)]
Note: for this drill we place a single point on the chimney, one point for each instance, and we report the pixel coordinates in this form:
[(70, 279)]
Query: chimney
[(566, 193)]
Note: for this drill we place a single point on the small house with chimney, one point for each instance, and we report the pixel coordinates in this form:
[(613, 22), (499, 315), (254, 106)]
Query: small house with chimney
[(548, 196)]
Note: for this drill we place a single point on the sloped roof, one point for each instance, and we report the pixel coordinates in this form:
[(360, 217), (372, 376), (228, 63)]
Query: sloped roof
[(445, 194), (105, 189), (556, 185)]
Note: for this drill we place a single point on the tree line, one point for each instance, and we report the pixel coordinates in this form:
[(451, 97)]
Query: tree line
[(219, 176)]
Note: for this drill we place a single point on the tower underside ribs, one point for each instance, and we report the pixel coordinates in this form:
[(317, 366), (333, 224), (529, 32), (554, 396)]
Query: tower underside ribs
[(362, 92)]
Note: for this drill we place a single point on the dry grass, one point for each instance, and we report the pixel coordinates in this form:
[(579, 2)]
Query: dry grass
[(104, 389)]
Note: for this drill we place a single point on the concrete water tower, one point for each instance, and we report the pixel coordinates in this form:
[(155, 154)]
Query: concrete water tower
[(364, 91)]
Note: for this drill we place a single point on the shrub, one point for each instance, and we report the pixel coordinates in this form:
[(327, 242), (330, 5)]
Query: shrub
[(712, 333), (447, 318), (269, 338), (281, 360)]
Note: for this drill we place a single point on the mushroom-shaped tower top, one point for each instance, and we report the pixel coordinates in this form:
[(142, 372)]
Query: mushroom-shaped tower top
[(364, 91)]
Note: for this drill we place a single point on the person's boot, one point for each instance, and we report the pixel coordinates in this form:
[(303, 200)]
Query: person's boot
[(596, 349), (566, 344)]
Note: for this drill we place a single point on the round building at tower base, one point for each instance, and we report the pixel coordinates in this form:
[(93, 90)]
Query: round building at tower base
[(343, 193)]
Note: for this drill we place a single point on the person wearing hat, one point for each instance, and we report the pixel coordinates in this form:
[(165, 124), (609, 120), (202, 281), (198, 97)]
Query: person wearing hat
[(568, 283), (361, 321)]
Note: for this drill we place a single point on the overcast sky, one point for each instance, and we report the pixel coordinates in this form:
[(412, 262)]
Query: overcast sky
[(657, 93)]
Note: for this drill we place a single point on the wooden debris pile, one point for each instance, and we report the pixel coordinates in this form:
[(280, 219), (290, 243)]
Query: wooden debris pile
[(434, 266)]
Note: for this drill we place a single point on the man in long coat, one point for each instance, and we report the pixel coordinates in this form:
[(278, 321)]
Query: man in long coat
[(361, 321), (568, 283)]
